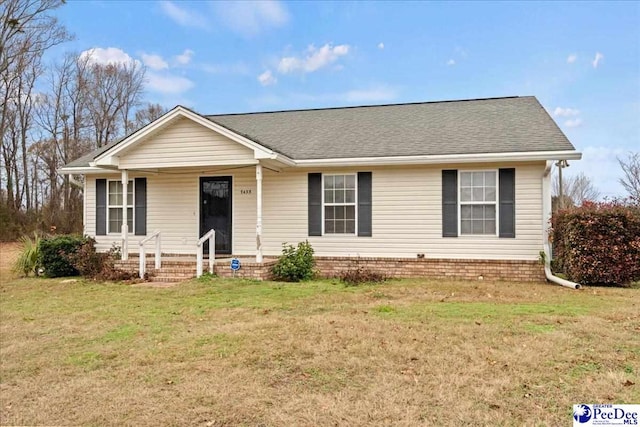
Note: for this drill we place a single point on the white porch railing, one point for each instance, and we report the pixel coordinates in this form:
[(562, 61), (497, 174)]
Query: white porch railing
[(143, 256), (211, 237)]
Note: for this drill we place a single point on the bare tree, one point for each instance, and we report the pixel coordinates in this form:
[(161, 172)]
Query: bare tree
[(115, 90), (146, 115), (576, 189), (631, 179), (27, 30)]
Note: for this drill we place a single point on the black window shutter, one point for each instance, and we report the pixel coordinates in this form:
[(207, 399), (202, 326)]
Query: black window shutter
[(315, 204), (140, 216), (364, 204), (507, 201), (450, 203), (101, 207)]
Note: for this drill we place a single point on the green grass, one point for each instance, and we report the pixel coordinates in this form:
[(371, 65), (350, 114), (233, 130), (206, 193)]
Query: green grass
[(236, 352)]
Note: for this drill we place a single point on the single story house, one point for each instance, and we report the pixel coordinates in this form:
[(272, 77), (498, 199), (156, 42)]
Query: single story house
[(453, 188)]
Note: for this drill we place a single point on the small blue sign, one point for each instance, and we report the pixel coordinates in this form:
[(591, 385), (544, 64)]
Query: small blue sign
[(235, 264)]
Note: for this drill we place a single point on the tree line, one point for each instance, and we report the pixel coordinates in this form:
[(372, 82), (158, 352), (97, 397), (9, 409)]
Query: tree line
[(53, 113)]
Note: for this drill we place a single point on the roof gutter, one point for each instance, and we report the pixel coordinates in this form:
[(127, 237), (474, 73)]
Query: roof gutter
[(441, 159)]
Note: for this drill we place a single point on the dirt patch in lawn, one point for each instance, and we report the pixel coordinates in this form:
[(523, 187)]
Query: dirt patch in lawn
[(8, 254), (233, 352)]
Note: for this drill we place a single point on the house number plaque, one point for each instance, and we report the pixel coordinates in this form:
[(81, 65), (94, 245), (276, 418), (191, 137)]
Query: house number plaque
[(245, 191)]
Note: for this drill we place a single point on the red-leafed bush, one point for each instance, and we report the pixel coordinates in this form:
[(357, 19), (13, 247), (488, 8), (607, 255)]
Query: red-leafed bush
[(598, 243)]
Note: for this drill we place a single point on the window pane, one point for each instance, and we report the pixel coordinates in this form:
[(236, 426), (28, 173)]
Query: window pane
[(350, 212), (478, 227), (115, 193), (478, 179), (328, 182), (115, 220), (328, 227), (478, 194), (490, 179), (339, 181), (465, 179), (465, 194), (490, 226), (465, 226), (351, 226), (328, 212), (465, 212), (350, 196), (130, 193), (328, 196), (350, 181), (490, 212), (339, 226), (490, 194), (339, 212), (477, 211), (339, 196)]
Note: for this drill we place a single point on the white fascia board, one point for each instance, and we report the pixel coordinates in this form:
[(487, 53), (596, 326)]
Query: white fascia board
[(440, 159), (86, 171), (179, 111)]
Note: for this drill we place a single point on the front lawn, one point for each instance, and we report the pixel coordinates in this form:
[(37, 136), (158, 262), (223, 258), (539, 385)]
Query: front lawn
[(232, 352)]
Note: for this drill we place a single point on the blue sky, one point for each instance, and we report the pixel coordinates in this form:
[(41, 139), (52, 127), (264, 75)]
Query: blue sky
[(580, 59)]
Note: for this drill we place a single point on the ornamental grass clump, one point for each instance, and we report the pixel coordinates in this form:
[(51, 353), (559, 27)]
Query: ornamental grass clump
[(28, 260)]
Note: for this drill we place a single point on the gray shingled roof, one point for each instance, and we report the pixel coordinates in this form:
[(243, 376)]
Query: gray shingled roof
[(497, 125)]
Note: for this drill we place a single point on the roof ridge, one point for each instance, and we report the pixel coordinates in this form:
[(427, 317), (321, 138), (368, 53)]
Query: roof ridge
[(369, 106)]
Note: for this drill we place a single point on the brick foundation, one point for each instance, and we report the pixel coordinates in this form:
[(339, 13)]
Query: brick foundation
[(248, 270), (467, 269)]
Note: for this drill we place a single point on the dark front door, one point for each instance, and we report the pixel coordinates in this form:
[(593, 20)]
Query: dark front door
[(215, 211)]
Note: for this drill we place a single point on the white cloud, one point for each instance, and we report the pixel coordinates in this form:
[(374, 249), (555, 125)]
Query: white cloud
[(267, 78), (153, 61), (183, 16), (565, 112), (373, 94), (572, 58), (109, 55), (596, 61), (380, 45), (167, 83), (573, 123), (185, 57), (250, 18), (314, 59), (451, 62)]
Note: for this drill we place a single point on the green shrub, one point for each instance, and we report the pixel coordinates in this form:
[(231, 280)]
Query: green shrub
[(29, 259), (56, 253), (295, 264), (598, 243)]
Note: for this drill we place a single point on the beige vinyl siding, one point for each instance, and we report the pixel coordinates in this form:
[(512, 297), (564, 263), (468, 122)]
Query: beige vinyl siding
[(182, 144), (406, 216), (173, 208)]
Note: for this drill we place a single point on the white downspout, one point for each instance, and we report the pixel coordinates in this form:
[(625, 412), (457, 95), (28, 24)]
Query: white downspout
[(125, 225), (546, 215), (259, 213)]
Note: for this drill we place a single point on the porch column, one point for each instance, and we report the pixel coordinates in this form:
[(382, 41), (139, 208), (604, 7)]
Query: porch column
[(259, 213), (125, 226)]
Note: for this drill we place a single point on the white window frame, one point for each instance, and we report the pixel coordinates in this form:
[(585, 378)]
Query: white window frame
[(482, 203), (132, 206), (354, 204)]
